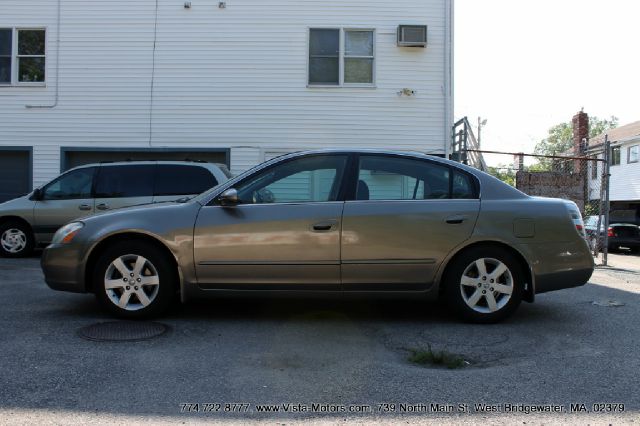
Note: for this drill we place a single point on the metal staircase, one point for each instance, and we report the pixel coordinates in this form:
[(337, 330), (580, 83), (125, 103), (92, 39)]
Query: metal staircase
[(465, 147)]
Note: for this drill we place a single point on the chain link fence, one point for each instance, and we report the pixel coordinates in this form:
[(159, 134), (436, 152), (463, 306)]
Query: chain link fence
[(583, 180)]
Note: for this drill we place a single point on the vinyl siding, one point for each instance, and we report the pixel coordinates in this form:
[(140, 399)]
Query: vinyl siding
[(625, 177), (624, 183), (223, 78)]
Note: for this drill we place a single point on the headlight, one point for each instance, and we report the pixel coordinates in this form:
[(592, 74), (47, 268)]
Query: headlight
[(66, 234)]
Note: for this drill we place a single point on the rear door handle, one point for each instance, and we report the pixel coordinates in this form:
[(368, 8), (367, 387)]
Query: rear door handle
[(454, 220), (102, 206), (325, 225), (84, 207)]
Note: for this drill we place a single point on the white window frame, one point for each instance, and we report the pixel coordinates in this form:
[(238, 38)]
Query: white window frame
[(15, 58), (637, 154), (341, 56)]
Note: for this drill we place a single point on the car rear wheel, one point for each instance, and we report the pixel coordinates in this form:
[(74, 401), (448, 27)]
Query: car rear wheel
[(484, 284), (135, 280), (16, 239)]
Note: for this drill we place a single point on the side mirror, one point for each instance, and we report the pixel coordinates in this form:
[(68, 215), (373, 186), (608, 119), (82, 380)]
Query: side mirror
[(229, 198), (37, 194)]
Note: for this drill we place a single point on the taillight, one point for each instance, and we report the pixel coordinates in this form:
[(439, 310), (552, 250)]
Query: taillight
[(610, 233), (579, 227)]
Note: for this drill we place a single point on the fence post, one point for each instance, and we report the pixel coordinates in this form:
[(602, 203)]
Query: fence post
[(605, 179)]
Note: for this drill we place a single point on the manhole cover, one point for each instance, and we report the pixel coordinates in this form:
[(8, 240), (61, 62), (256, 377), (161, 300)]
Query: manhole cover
[(122, 331)]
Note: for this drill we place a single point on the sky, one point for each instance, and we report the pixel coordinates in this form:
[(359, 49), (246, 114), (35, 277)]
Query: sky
[(525, 66)]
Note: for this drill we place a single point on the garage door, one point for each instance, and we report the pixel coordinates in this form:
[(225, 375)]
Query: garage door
[(15, 174), (78, 157)]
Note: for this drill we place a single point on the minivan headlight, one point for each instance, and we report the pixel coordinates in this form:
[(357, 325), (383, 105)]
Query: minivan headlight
[(67, 233)]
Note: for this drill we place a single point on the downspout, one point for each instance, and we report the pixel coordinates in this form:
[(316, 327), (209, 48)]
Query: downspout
[(57, 89), (153, 73), (448, 77)]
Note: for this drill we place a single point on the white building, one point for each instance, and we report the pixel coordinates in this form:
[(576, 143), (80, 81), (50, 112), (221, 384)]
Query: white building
[(624, 183), (236, 82)]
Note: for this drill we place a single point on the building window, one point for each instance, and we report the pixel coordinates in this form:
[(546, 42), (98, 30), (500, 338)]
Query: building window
[(341, 57), (22, 56), (615, 155), (594, 167), (633, 154)]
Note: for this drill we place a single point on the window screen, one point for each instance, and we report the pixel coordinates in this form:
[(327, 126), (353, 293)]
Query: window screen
[(324, 61), (6, 43)]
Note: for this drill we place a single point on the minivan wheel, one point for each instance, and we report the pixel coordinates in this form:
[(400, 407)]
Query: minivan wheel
[(134, 280), (16, 239), (484, 284)]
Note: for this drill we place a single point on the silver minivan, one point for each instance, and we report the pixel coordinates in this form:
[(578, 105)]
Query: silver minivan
[(31, 220)]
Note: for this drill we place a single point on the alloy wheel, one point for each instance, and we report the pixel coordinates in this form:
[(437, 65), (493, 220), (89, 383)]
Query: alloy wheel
[(131, 282), (486, 285)]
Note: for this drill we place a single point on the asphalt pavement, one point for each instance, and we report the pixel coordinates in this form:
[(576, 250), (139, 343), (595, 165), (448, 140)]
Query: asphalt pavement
[(322, 359)]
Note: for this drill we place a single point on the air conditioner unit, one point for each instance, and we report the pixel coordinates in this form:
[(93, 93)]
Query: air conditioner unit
[(412, 35)]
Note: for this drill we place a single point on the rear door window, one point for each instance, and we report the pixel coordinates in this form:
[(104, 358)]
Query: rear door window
[(182, 180), (393, 178), (125, 181)]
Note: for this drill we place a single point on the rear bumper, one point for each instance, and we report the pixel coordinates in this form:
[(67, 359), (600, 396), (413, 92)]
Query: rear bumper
[(561, 280), (624, 242), (62, 268), (556, 266)]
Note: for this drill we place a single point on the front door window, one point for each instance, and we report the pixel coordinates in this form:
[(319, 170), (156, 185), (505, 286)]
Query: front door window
[(73, 185), (306, 180)]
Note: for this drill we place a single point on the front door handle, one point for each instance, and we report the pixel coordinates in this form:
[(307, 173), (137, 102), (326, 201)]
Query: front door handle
[(454, 220), (84, 207), (102, 206), (326, 225)]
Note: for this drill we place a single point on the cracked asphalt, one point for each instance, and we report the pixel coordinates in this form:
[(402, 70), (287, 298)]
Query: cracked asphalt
[(563, 349)]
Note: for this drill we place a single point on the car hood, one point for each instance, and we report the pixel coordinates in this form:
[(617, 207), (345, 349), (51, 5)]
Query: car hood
[(161, 220)]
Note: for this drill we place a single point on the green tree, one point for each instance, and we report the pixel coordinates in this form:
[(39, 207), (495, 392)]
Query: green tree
[(559, 140), (504, 173)]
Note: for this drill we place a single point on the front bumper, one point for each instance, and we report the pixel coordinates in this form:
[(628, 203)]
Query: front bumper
[(63, 267)]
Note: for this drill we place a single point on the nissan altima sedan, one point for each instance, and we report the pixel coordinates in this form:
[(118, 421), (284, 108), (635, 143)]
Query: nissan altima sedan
[(338, 222)]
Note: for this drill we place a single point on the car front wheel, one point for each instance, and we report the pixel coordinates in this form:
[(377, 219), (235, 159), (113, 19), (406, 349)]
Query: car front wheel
[(485, 284), (135, 280)]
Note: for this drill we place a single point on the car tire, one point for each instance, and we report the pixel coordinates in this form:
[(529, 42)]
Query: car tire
[(16, 239), (135, 280), (484, 284)]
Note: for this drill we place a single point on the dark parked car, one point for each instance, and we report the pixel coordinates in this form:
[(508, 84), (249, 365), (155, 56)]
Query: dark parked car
[(331, 221), (620, 235)]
